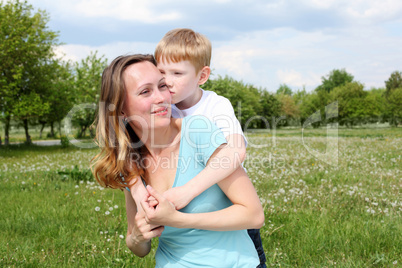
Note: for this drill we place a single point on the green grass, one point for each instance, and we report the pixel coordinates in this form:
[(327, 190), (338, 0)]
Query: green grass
[(317, 215)]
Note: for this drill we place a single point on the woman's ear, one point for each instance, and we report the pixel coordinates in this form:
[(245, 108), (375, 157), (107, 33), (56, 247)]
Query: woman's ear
[(205, 72)]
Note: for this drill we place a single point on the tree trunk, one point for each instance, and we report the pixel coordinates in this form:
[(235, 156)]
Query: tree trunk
[(60, 128), (28, 138), (41, 130), (6, 131), (51, 130)]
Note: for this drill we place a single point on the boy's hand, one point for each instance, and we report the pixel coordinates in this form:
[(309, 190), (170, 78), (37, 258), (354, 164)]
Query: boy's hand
[(179, 196)]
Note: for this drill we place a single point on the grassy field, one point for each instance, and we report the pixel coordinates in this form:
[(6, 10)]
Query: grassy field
[(317, 215)]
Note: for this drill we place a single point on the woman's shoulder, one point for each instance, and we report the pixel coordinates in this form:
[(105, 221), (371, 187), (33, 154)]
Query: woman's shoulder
[(191, 121)]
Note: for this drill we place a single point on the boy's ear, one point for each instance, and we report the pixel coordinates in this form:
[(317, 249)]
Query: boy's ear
[(205, 72)]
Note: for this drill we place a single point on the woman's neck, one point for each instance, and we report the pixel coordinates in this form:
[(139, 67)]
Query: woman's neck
[(161, 139)]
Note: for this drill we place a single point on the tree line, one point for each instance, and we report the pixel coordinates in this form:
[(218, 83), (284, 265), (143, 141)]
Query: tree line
[(38, 88), (350, 102)]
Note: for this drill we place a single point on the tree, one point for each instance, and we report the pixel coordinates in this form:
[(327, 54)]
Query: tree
[(392, 96), (309, 104), (351, 102), (289, 108), (284, 89), (87, 82), (271, 108), (395, 106), (335, 78), (375, 104), (244, 98), (393, 82), (58, 93), (26, 46)]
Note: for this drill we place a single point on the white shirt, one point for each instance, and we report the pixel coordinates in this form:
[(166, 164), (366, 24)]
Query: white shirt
[(216, 108)]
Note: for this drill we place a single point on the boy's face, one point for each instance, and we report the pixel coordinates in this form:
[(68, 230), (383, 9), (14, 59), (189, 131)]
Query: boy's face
[(182, 81)]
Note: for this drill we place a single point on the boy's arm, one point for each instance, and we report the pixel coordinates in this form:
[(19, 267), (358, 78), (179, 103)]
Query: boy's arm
[(227, 159)]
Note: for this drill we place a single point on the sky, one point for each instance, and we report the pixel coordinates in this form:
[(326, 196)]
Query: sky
[(265, 43)]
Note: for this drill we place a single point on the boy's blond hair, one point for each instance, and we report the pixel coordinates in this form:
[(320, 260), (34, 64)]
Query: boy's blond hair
[(184, 44)]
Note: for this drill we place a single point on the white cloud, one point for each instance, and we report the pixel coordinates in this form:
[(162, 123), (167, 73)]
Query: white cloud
[(297, 79), (76, 52), (126, 10)]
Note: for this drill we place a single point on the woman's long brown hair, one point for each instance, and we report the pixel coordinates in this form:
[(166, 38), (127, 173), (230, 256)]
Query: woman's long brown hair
[(116, 165)]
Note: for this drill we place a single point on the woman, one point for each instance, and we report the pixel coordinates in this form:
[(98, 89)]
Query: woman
[(166, 152)]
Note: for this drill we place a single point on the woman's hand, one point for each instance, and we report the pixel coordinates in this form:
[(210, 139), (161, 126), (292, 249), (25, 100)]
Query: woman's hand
[(162, 214), (143, 231)]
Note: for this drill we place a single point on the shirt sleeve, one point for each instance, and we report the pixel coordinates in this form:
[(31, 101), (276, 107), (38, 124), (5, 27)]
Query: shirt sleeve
[(203, 135), (225, 118)]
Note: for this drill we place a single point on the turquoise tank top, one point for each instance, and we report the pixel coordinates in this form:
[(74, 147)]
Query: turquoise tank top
[(201, 248)]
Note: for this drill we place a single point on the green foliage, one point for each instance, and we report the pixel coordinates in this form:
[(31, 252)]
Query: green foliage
[(26, 46), (284, 89), (393, 82), (76, 174), (252, 106), (64, 141), (351, 102), (334, 79), (395, 106), (87, 81)]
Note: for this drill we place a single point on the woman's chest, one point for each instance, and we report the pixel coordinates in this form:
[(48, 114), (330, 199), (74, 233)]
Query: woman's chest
[(161, 171)]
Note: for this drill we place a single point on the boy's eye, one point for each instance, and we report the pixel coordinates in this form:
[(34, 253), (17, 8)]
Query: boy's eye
[(177, 73), (163, 86)]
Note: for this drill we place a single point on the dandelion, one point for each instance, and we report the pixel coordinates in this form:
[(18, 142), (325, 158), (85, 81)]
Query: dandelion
[(77, 186), (23, 182), (116, 206), (107, 212), (121, 236), (111, 208), (97, 209), (99, 200), (395, 262)]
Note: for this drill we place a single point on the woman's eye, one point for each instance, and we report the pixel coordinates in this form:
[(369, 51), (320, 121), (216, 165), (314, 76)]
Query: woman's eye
[(176, 73), (145, 91)]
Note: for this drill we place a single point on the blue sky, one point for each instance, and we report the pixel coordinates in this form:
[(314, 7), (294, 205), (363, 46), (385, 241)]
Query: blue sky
[(261, 42)]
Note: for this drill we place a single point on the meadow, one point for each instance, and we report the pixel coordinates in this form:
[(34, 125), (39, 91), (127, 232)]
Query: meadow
[(317, 214)]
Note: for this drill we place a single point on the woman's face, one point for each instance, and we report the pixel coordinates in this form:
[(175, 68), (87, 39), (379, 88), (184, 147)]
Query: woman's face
[(147, 102)]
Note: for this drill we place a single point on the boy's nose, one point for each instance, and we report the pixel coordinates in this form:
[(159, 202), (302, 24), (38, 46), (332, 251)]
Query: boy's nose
[(168, 81)]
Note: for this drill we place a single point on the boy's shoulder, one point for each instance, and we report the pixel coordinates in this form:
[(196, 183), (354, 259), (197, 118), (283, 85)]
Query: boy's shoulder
[(211, 98)]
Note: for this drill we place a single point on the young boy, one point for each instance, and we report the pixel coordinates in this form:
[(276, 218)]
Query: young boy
[(183, 57)]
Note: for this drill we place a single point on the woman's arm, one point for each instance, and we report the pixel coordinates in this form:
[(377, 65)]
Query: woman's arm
[(139, 232), (245, 213), (230, 157)]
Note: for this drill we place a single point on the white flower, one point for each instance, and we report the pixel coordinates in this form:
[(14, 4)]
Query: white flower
[(111, 208), (121, 236), (77, 186), (107, 212), (97, 208), (116, 206)]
